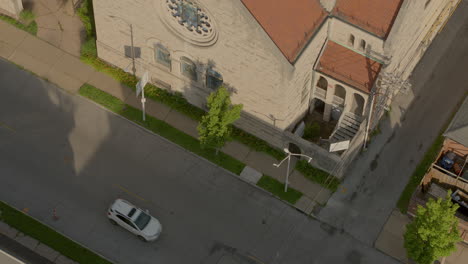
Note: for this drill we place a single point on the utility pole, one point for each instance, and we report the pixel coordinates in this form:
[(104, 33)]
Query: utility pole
[(133, 51)]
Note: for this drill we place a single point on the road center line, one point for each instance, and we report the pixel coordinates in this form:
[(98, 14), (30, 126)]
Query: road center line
[(129, 192), (7, 127)]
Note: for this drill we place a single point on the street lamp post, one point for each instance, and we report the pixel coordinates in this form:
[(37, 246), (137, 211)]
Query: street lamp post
[(132, 47), (289, 162)]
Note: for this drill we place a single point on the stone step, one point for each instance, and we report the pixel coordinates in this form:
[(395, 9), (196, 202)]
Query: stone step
[(338, 137), (353, 116), (346, 132), (346, 123)]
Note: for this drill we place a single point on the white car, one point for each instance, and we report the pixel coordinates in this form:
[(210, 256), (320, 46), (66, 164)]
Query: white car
[(134, 219)]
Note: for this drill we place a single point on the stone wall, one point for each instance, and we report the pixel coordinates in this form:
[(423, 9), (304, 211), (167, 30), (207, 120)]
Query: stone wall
[(300, 88), (281, 139), (340, 32), (413, 31), (11, 7)]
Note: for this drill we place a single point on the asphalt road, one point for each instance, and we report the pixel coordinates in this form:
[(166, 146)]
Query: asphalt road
[(373, 186), (62, 151)]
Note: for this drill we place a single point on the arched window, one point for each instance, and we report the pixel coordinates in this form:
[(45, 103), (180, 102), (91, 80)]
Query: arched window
[(358, 104), (188, 68), (213, 79), (351, 40), (322, 83), (362, 45), (162, 55)]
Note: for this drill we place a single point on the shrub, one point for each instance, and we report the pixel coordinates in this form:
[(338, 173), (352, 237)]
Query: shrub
[(312, 131)]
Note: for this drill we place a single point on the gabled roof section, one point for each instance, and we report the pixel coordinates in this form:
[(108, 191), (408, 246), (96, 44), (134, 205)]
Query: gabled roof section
[(458, 128), (348, 67), (374, 16), (290, 24)]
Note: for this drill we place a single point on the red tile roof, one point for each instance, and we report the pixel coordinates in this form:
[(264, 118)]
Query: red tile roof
[(290, 24), (375, 16), (348, 66)]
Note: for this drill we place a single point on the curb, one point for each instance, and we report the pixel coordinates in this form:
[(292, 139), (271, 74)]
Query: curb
[(191, 153), (67, 237)]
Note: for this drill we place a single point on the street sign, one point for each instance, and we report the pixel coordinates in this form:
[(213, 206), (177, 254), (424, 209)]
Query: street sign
[(337, 146), (141, 83)]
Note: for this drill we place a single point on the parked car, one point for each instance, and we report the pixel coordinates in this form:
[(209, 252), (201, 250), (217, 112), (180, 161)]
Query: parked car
[(134, 219)]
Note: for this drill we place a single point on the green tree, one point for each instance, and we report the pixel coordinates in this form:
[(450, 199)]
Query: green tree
[(215, 127), (434, 231)]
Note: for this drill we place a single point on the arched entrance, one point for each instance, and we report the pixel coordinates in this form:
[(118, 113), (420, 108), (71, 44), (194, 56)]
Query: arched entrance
[(319, 106), (358, 105), (340, 95), (338, 103), (322, 83)]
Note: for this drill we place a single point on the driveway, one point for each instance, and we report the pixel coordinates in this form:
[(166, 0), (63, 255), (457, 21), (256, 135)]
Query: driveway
[(59, 151), (374, 183)]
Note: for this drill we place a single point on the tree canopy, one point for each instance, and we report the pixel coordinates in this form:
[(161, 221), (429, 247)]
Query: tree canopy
[(215, 127), (434, 231)]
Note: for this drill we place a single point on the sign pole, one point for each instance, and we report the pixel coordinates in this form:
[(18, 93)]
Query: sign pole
[(140, 87), (143, 101)]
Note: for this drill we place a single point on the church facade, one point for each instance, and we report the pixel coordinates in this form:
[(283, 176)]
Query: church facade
[(343, 59)]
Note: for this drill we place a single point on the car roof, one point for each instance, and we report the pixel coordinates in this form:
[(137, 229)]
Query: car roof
[(122, 206)]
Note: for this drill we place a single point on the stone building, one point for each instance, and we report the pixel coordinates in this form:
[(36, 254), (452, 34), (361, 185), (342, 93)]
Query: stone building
[(282, 59), (11, 8)]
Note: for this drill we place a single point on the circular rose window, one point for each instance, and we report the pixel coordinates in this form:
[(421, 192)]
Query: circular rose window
[(190, 20)]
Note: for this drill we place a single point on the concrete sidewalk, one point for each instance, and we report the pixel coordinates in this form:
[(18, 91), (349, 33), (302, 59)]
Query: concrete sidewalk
[(28, 248), (58, 24), (390, 241), (69, 73)]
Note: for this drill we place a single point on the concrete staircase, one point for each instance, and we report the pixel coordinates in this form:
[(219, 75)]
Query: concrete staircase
[(347, 127)]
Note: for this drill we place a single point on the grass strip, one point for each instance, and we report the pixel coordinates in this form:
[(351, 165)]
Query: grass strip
[(162, 128), (30, 27), (277, 188), (419, 173), (33, 228), (425, 163), (317, 175), (174, 100)]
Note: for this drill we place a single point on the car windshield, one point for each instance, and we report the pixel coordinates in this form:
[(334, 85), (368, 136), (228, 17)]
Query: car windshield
[(142, 220)]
